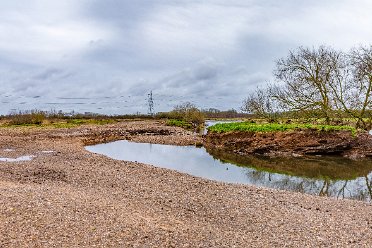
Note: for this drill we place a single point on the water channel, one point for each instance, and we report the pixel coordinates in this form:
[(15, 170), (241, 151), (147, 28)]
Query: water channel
[(324, 176)]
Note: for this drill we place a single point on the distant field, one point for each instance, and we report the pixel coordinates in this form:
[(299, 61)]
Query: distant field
[(61, 123)]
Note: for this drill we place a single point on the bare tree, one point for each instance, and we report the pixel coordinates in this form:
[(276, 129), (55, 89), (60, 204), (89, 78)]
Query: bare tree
[(306, 75), (352, 85), (188, 112), (361, 66), (262, 104), (319, 82)]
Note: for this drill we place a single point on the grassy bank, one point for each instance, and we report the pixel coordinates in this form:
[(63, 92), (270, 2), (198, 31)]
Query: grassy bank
[(179, 123), (275, 127)]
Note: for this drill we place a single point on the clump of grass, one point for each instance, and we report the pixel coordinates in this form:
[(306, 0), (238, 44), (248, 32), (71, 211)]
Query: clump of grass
[(179, 123), (90, 121), (77, 122), (275, 127)]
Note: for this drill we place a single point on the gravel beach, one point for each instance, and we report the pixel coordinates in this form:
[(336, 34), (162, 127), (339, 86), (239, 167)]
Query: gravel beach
[(68, 197)]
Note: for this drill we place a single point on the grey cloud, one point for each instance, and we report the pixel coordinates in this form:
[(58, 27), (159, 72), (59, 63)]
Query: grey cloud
[(52, 73), (259, 52), (121, 13), (206, 71), (206, 84)]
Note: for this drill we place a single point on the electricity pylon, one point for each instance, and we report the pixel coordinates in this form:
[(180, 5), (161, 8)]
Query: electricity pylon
[(150, 101)]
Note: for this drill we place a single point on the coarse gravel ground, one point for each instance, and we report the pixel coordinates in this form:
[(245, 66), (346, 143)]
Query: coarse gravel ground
[(73, 198)]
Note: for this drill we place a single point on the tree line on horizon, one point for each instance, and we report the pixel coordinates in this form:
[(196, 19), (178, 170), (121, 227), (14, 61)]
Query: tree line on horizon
[(321, 83)]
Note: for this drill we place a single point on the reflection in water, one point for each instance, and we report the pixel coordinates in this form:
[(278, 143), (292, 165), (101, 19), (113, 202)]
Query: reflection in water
[(334, 177), (330, 176)]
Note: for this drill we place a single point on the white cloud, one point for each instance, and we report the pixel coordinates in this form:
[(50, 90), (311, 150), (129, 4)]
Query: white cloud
[(45, 31), (195, 29)]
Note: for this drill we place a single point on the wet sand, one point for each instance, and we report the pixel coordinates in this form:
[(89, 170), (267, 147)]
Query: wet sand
[(73, 198)]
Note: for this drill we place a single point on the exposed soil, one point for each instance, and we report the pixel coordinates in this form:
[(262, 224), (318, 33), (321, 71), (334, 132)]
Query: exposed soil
[(293, 143), (73, 198)]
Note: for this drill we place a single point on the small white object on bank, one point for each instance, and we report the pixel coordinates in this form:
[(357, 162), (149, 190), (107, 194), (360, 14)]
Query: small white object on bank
[(19, 159), (9, 150)]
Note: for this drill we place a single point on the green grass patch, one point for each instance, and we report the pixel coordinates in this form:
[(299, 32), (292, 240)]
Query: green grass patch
[(91, 121), (275, 127), (179, 123)]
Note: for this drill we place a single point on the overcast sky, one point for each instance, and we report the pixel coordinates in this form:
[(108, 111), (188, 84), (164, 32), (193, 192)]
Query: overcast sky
[(107, 55)]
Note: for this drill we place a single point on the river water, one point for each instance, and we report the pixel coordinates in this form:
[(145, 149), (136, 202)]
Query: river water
[(331, 176)]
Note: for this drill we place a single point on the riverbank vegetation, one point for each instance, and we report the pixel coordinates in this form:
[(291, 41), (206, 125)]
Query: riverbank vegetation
[(38, 118), (319, 83), (275, 127), (179, 123), (185, 115)]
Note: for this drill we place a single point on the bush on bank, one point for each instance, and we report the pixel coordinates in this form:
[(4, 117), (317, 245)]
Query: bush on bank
[(33, 117), (186, 115)]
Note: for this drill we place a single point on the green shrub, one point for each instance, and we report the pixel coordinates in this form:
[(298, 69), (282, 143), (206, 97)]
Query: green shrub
[(178, 123), (189, 113), (31, 117)]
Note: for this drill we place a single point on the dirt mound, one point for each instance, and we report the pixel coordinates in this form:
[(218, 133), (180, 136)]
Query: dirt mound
[(293, 143)]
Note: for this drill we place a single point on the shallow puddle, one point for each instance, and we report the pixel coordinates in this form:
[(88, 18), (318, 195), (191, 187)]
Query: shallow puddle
[(334, 177)]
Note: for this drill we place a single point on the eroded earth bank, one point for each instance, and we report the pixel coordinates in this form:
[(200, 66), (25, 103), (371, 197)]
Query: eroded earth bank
[(69, 197), (293, 143)]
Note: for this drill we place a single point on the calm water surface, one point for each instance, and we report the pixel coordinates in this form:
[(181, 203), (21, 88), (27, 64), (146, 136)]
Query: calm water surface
[(334, 177)]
